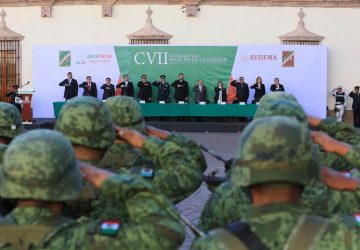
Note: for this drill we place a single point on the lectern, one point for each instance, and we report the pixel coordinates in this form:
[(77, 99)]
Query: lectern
[(26, 112)]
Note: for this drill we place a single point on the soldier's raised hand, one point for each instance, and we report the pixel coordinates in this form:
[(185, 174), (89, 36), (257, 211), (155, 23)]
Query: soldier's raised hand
[(94, 175), (338, 181), (132, 137)]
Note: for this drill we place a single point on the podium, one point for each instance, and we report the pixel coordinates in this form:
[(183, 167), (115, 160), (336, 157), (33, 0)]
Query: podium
[(26, 112)]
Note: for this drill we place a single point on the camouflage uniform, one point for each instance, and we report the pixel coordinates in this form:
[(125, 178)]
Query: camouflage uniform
[(178, 162), (229, 203), (278, 150), (53, 175)]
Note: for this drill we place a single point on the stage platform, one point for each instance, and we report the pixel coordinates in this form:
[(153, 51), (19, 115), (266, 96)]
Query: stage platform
[(227, 125)]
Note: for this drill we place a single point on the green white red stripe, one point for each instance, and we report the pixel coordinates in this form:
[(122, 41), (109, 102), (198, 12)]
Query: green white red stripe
[(110, 227)]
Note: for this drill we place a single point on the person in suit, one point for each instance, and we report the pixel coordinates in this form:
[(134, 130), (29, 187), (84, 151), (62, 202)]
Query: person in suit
[(242, 90), (200, 92), (355, 95), (163, 89), (145, 89), (127, 87), (71, 87), (89, 87), (259, 90), (277, 86), (16, 99), (109, 89), (181, 89), (220, 93)]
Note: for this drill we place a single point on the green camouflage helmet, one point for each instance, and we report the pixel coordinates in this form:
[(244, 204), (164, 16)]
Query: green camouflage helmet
[(283, 107), (126, 112), (274, 149), (40, 165), (277, 96), (10, 121), (86, 121)]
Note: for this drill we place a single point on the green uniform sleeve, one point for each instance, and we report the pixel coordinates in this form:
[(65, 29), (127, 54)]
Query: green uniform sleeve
[(227, 204), (353, 156), (340, 131), (152, 221), (174, 174)]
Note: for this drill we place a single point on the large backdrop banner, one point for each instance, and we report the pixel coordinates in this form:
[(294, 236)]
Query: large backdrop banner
[(301, 69)]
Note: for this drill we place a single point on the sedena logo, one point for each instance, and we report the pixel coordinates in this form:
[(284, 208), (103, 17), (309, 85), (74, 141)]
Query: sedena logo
[(288, 58), (64, 58)]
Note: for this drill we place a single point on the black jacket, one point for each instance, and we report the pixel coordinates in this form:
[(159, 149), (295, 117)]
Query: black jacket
[(181, 90), (89, 92), (126, 90), (223, 94), (163, 93), (259, 92), (273, 87), (71, 89), (109, 91), (145, 91), (356, 100), (242, 91)]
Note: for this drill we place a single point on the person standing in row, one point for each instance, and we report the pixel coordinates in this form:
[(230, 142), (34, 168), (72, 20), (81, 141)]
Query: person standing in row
[(181, 89), (242, 90), (259, 90), (220, 93), (340, 102), (163, 94), (200, 92), (16, 98), (109, 89), (355, 95), (89, 87), (145, 90), (277, 86), (127, 87), (71, 87)]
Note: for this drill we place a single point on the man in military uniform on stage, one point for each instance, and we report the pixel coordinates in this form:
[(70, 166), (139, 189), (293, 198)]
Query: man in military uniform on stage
[(41, 172), (145, 89), (163, 94), (71, 87), (127, 87), (16, 99), (355, 95), (340, 102), (181, 89), (242, 90), (273, 162)]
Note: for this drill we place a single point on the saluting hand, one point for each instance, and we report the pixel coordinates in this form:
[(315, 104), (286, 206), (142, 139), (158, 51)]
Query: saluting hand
[(94, 175), (330, 144), (132, 137), (338, 181)]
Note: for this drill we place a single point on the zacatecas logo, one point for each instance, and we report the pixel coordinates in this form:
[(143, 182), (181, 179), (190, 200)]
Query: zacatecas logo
[(288, 58), (94, 58), (65, 58)]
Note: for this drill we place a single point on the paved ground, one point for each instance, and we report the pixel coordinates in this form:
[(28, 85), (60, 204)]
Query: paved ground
[(224, 144)]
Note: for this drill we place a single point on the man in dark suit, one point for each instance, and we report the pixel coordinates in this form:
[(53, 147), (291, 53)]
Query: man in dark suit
[(242, 90), (277, 86), (16, 99), (163, 89), (181, 89), (355, 95), (200, 92), (71, 87), (89, 87), (145, 89), (259, 90), (127, 88), (109, 89)]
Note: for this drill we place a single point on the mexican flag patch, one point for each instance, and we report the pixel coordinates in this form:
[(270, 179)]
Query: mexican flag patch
[(147, 172), (357, 218), (110, 227)]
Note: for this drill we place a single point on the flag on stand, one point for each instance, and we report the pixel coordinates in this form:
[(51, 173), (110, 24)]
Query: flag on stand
[(231, 91), (118, 90)]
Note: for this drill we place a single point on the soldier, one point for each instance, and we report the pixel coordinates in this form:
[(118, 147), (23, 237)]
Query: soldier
[(272, 162), (10, 127), (181, 89), (163, 89), (40, 171), (177, 163), (145, 89), (340, 102)]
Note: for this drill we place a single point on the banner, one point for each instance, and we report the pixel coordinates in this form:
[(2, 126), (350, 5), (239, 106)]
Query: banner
[(301, 69)]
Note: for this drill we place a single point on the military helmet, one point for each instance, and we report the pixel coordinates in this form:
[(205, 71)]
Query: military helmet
[(283, 107), (276, 96), (274, 149), (10, 121), (126, 112), (86, 121), (40, 165)]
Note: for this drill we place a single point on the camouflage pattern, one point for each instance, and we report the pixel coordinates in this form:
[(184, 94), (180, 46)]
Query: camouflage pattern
[(151, 223), (274, 223), (275, 96), (10, 121), (86, 121), (353, 156), (264, 150), (3, 148), (29, 176), (126, 112)]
